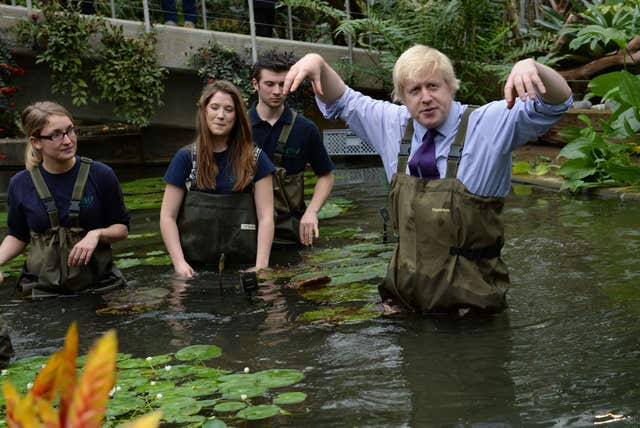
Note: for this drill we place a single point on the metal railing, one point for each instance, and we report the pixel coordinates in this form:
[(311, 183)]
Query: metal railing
[(289, 28)]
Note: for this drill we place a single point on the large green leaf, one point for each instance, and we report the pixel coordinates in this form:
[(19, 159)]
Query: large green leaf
[(290, 398), (198, 352), (275, 378), (229, 406), (630, 89), (262, 411), (577, 169)]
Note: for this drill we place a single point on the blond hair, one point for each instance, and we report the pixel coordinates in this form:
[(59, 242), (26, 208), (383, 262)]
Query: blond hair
[(419, 60), (34, 118)]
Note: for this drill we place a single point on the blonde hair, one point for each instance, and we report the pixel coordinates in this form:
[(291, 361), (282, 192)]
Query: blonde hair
[(34, 118), (419, 60), (240, 140)]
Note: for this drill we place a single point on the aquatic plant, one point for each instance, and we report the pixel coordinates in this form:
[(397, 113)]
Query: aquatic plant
[(81, 403), (179, 386)]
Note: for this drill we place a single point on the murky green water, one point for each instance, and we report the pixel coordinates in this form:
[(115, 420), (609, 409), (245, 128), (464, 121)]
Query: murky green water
[(565, 353)]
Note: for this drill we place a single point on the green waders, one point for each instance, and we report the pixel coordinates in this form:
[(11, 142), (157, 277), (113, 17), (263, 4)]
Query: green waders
[(288, 192), (46, 271), (211, 224), (449, 240), (6, 348)]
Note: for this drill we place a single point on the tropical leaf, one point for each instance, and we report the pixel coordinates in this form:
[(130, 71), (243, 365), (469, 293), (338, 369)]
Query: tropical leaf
[(44, 386), (92, 393), (150, 420), (67, 373)]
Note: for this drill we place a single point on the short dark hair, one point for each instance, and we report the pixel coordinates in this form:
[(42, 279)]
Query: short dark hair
[(274, 61)]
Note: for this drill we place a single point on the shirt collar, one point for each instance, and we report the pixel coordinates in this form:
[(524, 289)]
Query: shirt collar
[(446, 128), (255, 119)]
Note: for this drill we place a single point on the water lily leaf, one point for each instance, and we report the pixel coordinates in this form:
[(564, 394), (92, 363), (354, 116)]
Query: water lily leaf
[(156, 387), (126, 263), (198, 352), (355, 292), (290, 398), (174, 403), (134, 363), (276, 378), (174, 372), (122, 255), (341, 314), (29, 363), (182, 419), (214, 423), (164, 260), (340, 232), (229, 406), (209, 372), (142, 235), (208, 403), (237, 377), (155, 253), (235, 390), (198, 388), (261, 411), (132, 300), (123, 404)]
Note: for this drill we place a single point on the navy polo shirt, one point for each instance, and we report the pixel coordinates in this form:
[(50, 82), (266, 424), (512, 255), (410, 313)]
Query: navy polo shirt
[(303, 147), (181, 165)]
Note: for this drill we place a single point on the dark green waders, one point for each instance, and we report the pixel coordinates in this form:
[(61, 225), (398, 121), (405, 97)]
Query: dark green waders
[(449, 241), (6, 348), (288, 193), (46, 271), (210, 224)]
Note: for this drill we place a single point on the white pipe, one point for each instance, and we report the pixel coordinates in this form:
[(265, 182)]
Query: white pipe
[(147, 21), (347, 7), (252, 27), (290, 23), (204, 15), (113, 9), (29, 7)]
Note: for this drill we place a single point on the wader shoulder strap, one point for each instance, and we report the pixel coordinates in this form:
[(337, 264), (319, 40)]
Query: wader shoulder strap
[(45, 195), (78, 191), (191, 179), (455, 153), (405, 148), (282, 139)]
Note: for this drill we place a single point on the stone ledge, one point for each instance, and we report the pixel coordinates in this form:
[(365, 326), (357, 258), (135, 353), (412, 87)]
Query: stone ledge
[(623, 193)]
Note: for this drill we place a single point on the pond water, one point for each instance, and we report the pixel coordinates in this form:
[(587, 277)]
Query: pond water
[(565, 353)]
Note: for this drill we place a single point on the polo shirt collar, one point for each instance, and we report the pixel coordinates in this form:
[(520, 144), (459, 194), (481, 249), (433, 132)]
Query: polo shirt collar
[(254, 117)]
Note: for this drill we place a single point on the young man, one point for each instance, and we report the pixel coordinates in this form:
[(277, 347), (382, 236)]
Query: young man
[(291, 141), (449, 167)]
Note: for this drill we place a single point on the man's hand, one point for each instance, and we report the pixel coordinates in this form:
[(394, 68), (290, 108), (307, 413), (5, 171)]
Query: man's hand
[(524, 80), (308, 67), (309, 227), (81, 253)]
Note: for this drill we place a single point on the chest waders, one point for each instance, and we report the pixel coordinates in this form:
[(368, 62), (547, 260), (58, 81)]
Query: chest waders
[(46, 271), (211, 224), (448, 252), (288, 192)]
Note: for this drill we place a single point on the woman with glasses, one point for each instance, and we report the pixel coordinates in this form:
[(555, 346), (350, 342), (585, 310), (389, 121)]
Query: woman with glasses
[(218, 202), (69, 208)]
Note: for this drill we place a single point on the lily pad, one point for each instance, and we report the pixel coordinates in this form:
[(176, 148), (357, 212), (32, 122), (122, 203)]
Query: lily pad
[(355, 292), (229, 406), (198, 388), (198, 352), (155, 387), (261, 411), (178, 371), (276, 378), (136, 363), (123, 404), (341, 314), (214, 423), (290, 398), (235, 390)]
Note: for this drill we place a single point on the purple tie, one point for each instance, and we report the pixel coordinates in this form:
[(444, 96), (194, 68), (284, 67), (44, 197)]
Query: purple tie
[(423, 163)]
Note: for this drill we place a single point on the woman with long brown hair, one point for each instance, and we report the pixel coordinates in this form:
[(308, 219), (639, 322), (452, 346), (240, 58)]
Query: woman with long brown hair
[(218, 199)]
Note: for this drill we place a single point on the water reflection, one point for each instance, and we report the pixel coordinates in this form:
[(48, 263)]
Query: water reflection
[(565, 351)]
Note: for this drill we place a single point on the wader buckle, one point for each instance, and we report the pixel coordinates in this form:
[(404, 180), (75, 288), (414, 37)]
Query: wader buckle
[(455, 153), (49, 204)]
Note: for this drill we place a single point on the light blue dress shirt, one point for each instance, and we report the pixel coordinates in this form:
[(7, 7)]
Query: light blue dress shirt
[(493, 133)]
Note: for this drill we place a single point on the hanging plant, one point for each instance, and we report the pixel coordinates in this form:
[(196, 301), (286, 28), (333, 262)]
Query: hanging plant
[(62, 42), (9, 72), (128, 75)]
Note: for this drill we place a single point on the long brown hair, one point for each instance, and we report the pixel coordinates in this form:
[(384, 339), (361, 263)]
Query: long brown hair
[(34, 118), (240, 140)]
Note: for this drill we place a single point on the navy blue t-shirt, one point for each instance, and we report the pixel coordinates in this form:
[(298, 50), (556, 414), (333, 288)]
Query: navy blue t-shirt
[(304, 145), (181, 164), (101, 206)]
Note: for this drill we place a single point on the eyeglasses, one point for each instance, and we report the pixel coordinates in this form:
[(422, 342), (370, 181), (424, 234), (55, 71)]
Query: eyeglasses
[(58, 136)]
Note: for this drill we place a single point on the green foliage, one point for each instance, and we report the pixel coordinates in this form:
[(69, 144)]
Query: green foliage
[(606, 157), (128, 75), (9, 72), (193, 393), (62, 42), (215, 62)]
